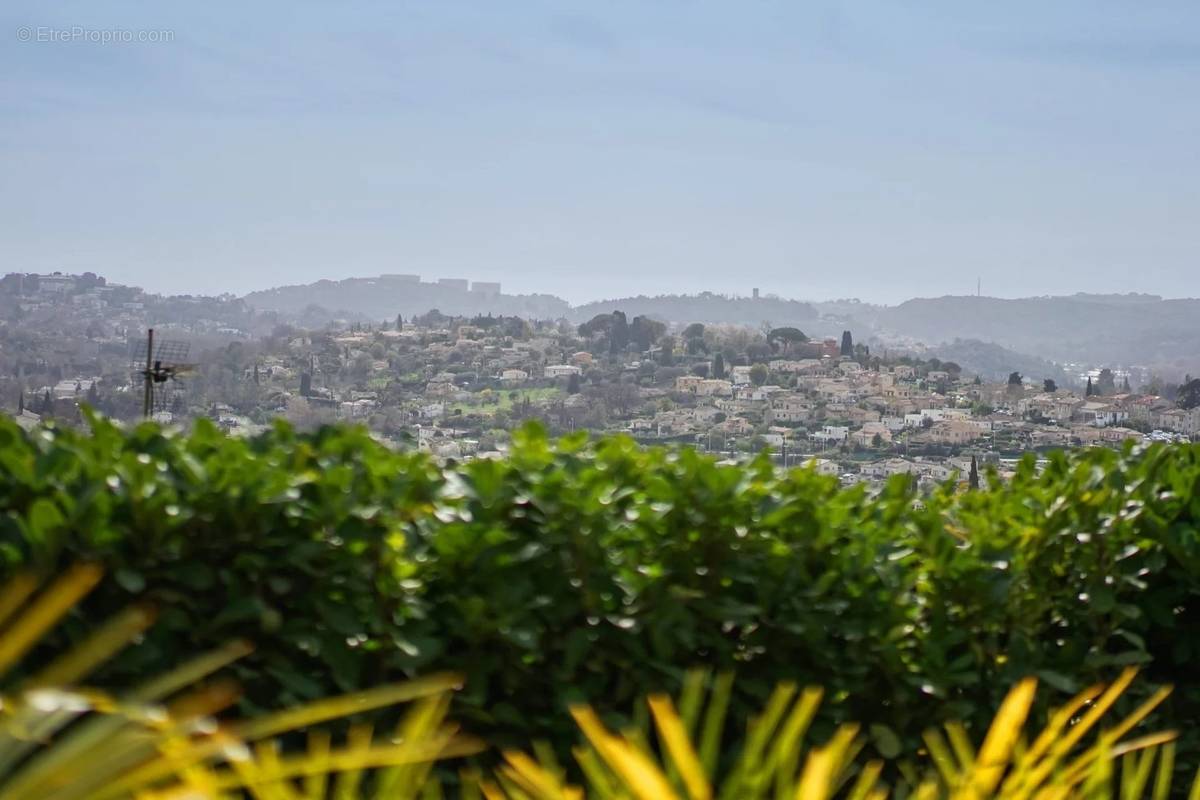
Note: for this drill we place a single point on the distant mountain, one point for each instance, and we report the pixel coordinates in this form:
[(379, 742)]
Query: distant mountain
[(1130, 329), (994, 363), (386, 296), (706, 307)]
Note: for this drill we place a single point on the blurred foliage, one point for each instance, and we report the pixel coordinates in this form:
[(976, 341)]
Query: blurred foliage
[(598, 570), (161, 739), (687, 753)]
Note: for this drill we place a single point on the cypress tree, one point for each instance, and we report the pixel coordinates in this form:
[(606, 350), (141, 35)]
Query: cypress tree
[(973, 478), (718, 366)]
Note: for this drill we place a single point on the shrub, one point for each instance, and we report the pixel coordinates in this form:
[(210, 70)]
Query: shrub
[(600, 570)]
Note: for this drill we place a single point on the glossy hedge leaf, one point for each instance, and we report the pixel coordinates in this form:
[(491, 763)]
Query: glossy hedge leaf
[(601, 570)]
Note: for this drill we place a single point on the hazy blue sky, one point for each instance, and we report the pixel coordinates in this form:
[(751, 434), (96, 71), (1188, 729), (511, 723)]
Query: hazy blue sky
[(878, 149)]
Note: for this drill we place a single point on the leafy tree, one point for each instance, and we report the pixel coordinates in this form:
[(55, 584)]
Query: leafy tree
[(1106, 384), (758, 352), (847, 345), (701, 369), (644, 332), (667, 356), (1049, 385), (601, 323), (573, 384), (693, 339), (718, 366), (758, 374), (1189, 395), (788, 337), (1015, 379)]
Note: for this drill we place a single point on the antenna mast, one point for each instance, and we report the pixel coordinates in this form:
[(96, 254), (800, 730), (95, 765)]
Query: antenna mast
[(165, 364), (148, 394)]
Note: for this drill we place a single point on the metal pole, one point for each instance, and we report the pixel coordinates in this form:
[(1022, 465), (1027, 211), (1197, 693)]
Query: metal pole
[(148, 396)]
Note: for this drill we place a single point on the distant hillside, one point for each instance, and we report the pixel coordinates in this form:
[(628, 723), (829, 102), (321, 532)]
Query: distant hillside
[(1093, 328), (384, 297), (705, 307), (994, 363), (1099, 328)]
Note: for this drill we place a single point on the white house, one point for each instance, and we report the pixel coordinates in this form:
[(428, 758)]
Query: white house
[(832, 433), (1102, 414)]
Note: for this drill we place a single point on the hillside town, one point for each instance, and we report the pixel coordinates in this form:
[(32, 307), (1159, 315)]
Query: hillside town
[(458, 386)]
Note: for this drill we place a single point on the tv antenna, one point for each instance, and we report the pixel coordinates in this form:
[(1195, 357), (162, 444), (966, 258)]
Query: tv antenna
[(164, 363)]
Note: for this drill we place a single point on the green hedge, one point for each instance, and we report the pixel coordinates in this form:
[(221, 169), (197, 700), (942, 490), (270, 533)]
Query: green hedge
[(600, 569)]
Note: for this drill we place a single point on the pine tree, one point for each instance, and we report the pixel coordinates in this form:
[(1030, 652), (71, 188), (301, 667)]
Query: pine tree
[(1089, 391), (973, 478)]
